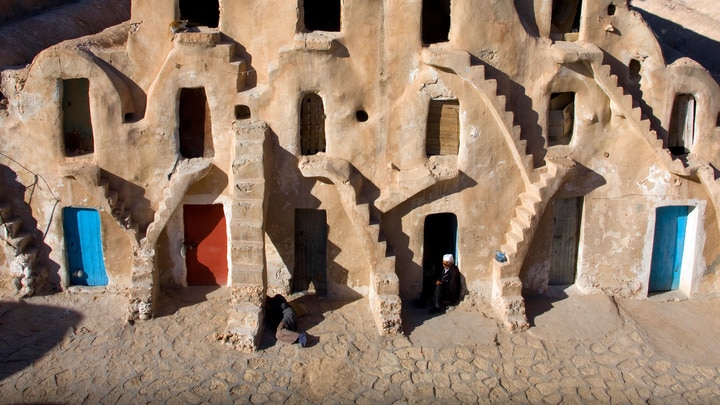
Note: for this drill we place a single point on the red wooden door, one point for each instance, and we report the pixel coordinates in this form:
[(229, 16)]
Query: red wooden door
[(205, 244)]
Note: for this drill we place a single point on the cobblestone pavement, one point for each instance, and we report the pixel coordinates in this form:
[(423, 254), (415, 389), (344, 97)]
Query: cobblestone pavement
[(75, 348)]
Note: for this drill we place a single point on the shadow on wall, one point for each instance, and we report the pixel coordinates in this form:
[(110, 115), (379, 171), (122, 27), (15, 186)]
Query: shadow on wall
[(677, 41), (521, 106), (631, 85), (526, 12), (29, 331)]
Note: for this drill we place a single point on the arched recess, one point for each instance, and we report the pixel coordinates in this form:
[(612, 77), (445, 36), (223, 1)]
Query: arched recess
[(312, 124), (110, 98)]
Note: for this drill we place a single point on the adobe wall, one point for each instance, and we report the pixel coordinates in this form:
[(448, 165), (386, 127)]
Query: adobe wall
[(374, 180)]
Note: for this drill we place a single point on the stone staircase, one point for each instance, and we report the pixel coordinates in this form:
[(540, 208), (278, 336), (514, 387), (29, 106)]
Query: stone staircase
[(384, 293), (21, 241), (459, 62), (96, 180), (624, 105), (249, 207), (507, 287)]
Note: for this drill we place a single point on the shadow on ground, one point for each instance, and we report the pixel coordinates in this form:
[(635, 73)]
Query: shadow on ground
[(173, 299), (28, 332)]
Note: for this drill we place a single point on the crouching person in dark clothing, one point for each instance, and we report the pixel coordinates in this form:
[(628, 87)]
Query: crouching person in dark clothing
[(447, 288), (287, 328)]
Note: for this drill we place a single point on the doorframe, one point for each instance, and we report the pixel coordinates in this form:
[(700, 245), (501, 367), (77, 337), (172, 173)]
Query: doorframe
[(693, 264), (175, 229)]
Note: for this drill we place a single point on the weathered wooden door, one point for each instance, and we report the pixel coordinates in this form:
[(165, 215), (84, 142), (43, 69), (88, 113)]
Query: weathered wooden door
[(83, 243), (205, 244), (668, 247), (312, 125), (310, 250), (567, 215)]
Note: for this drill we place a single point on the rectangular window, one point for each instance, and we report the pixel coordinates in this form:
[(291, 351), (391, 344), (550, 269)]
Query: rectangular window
[(561, 118), (443, 128), (77, 125)]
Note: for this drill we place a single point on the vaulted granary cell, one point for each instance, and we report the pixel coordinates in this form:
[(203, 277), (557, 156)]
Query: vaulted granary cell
[(443, 128), (681, 132), (435, 21), (77, 124), (312, 125), (561, 118), (200, 13), (194, 126), (321, 15), (565, 20)]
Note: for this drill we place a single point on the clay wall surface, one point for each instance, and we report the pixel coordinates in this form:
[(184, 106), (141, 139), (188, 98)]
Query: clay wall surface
[(374, 179)]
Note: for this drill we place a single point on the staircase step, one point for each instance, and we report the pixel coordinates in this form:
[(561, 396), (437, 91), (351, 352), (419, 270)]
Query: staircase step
[(21, 241), (12, 226), (112, 197)]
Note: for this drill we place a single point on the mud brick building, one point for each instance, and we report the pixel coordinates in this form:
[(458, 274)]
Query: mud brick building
[(343, 146)]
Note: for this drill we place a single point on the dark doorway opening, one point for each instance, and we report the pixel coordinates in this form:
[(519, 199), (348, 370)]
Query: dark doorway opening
[(681, 132), (312, 125), (311, 231), (567, 218), (435, 21), (439, 238), (200, 12), (634, 69), (321, 15), (565, 20), (77, 124), (242, 112), (194, 125)]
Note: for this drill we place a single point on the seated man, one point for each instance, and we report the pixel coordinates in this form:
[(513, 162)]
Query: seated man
[(447, 288), (287, 328)]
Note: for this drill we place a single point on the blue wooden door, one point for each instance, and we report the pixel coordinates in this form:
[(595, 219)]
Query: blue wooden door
[(83, 244), (670, 225)]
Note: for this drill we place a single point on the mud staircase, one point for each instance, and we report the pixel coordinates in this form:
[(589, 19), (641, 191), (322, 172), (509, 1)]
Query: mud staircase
[(24, 251), (623, 105), (507, 287), (21, 249), (474, 75), (247, 243), (384, 293), (95, 180), (540, 185)]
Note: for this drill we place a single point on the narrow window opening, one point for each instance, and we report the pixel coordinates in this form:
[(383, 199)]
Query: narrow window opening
[(3, 102), (634, 69), (435, 21), (242, 112), (194, 126), (565, 20), (561, 118), (681, 133), (77, 125), (312, 125), (611, 9), (321, 15), (717, 122), (361, 115), (200, 13), (443, 128)]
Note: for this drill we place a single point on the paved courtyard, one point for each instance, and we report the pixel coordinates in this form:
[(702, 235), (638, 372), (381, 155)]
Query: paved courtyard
[(76, 348)]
